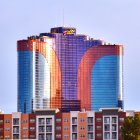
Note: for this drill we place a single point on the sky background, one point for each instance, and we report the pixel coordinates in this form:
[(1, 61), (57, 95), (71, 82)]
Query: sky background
[(116, 21)]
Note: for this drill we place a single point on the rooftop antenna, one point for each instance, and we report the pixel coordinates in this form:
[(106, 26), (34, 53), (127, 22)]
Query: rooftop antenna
[(63, 18)]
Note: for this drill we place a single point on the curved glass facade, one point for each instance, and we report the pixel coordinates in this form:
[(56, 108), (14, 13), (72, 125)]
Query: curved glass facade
[(41, 95), (39, 76), (88, 88), (25, 81), (104, 82)]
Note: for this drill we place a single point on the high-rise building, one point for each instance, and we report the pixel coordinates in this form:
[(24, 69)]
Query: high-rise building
[(69, 71)]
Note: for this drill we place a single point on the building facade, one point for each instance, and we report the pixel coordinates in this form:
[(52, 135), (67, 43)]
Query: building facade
[(39, 125), (54, 125), (69, 71), (108, 123), (17, 126)]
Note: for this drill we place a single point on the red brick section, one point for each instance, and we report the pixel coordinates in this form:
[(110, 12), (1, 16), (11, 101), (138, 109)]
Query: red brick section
[(7, 125), (1, 126), (24, 124), (58, 124), (121, 117), (83, 123), (66, 123), (98, 126), (85, 69), (32, 133)]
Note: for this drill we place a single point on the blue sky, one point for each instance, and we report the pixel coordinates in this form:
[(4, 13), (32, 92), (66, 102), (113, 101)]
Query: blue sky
[(114, 21)]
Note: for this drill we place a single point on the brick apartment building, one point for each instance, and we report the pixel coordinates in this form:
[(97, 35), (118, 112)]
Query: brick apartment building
[(54, 125)]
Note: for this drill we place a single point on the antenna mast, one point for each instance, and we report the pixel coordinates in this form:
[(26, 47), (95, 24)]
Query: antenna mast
[(63, 17)]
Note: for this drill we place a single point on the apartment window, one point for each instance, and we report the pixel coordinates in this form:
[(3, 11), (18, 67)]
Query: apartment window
[(114, 119), (99, 135), (32, 136), (58, 128), (90, 120), (58, 120), (90, 135), (82, 127), (66, 136), (114, 135), (74, 128), (82, 120), (7, 137), (65, 128), (90, 127), (65, 120), (25, 128), (48, 137), (49, 128), (41, 136), (7, 121), (74, 136), (15, 121), (107, 120), (7, 129), (114, 127), (98, 127), (25, 121), (41, 121), (120, 126), (16, 129), (25, 136), (32, 128), (58, 135), (49, 121), (107, 135), (107, 127), (41, 128), (15, 136), (1, 121), (74, 120), (98, 119), (32, 120), (82, 135), (121, 119)]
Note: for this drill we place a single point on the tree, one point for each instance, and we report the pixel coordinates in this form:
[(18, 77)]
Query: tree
[(131, 128), (136, 127)]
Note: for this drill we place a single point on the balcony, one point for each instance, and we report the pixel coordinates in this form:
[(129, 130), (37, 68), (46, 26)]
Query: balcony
[(48, 129), (74, 120), (16, 129), (49, 121), (41, 129), (74, 129), (74, 136), (107, 120), (48, 136), (90, 136), (41, 121), (15, 121), (90, 128), (90, 120), (107, 127), (114, 120), (41, 137), (15, 136)]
